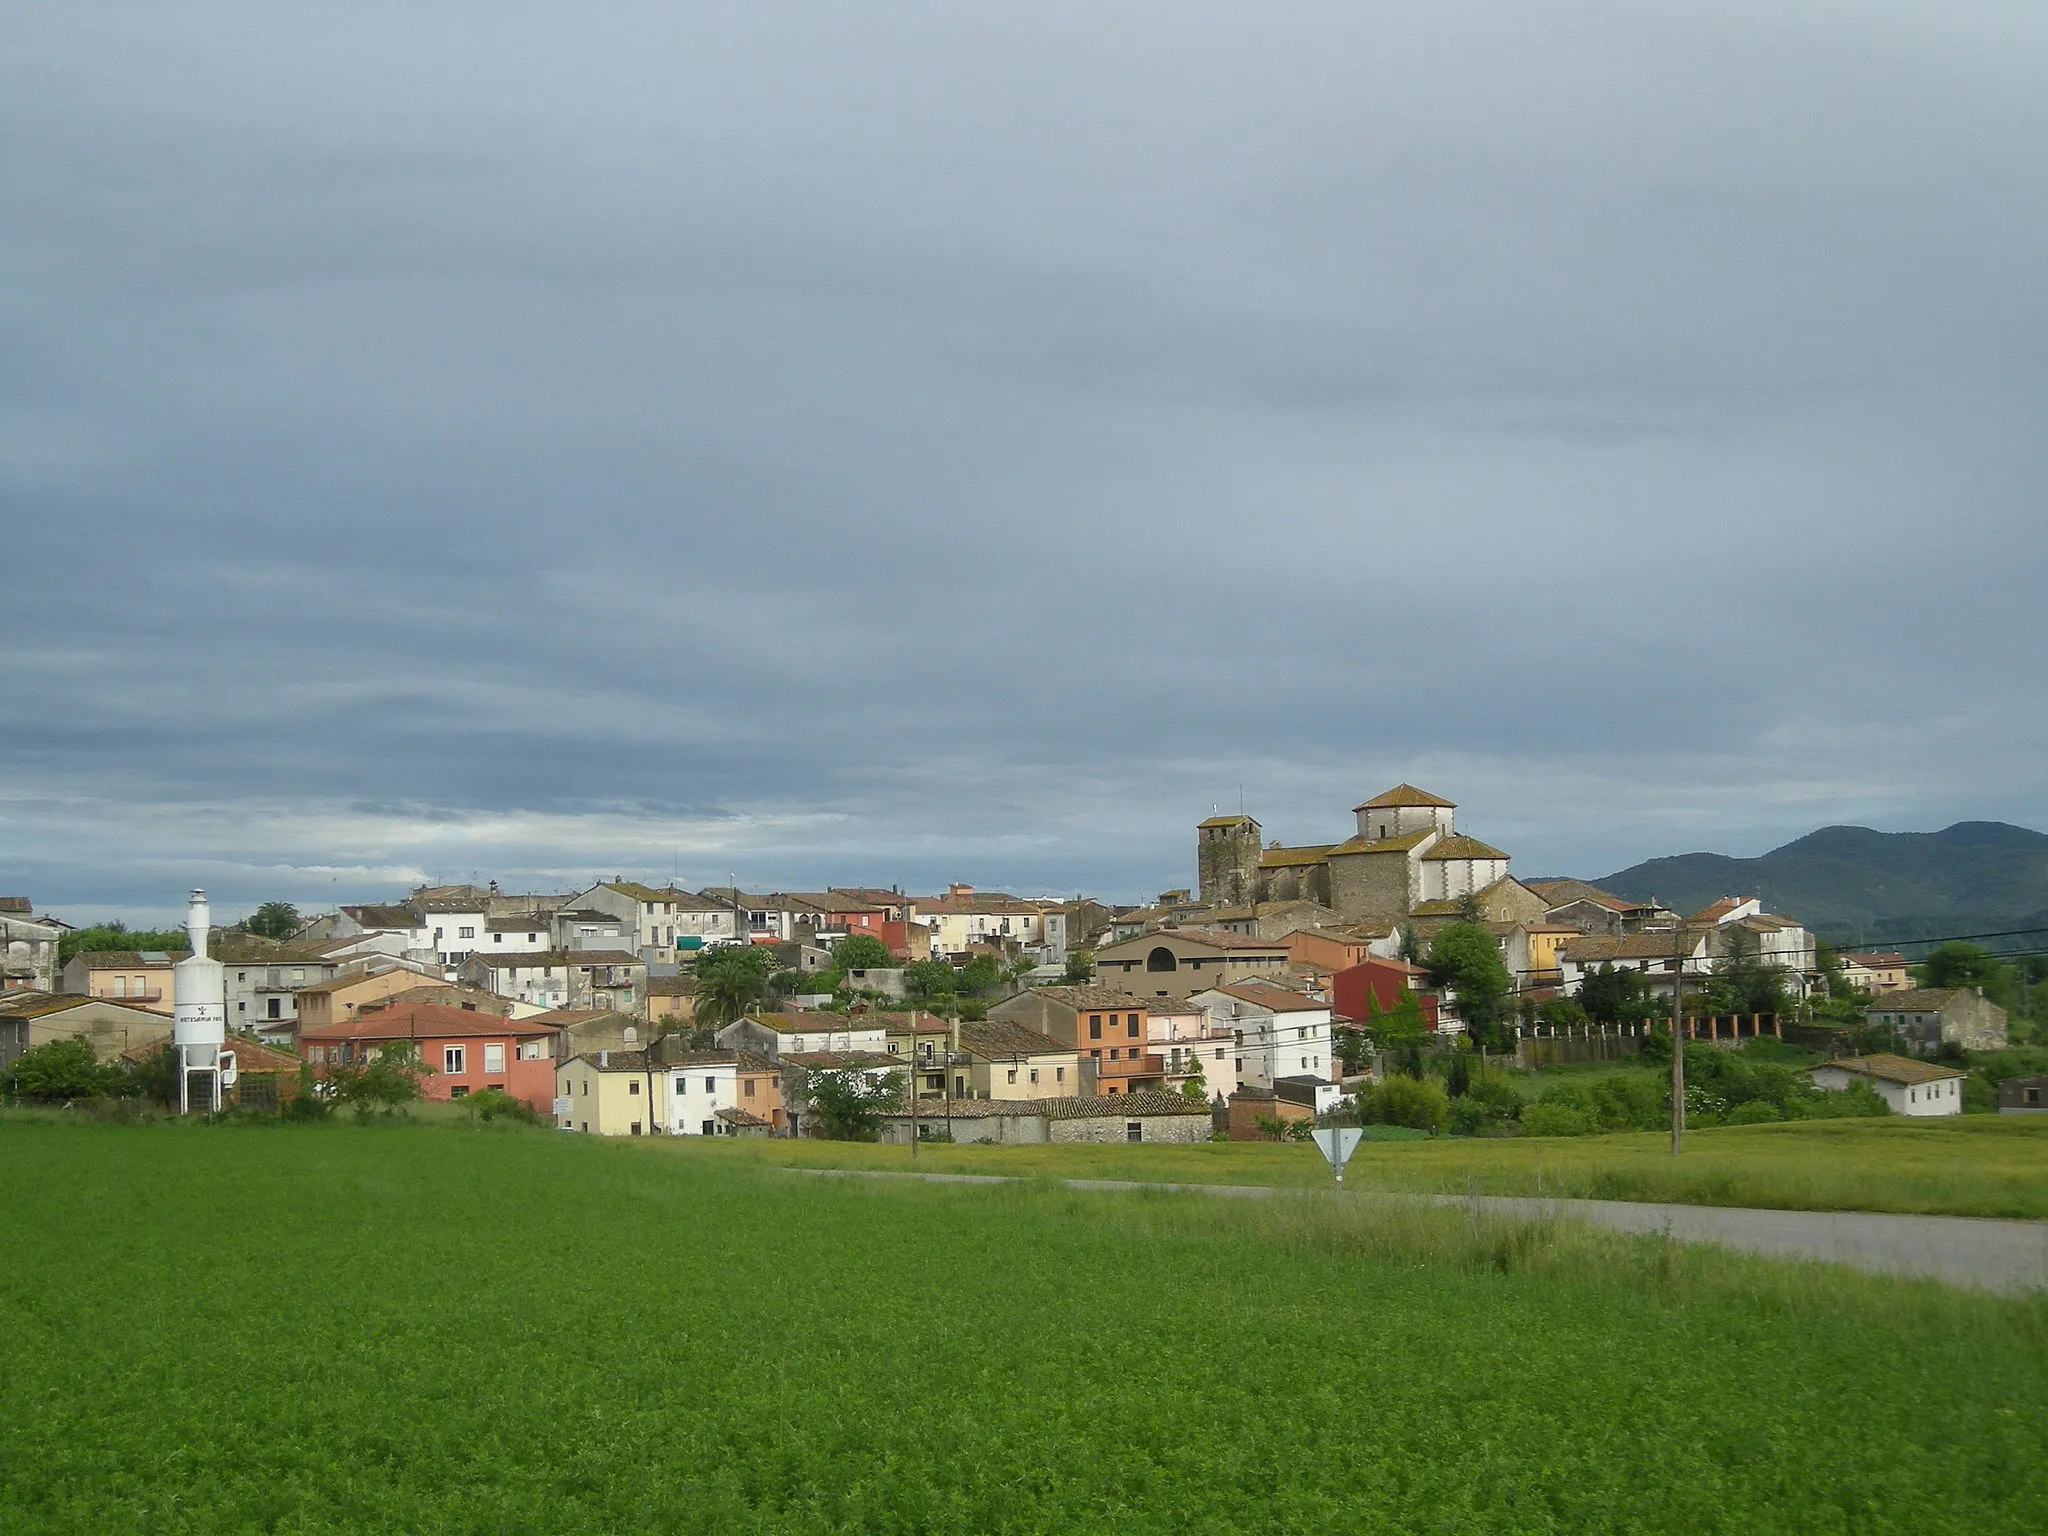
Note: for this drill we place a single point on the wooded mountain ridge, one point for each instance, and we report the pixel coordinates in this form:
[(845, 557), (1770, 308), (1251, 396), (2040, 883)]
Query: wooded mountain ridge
[(1862, 888)]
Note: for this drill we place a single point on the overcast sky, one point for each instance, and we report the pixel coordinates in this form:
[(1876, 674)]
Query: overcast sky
[(909, 442)]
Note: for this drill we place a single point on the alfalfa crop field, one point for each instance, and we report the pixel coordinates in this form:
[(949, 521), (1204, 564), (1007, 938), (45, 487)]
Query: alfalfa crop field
[(368, 1328)]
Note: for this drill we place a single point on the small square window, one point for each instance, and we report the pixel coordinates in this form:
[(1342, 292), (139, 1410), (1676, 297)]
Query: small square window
[(633, 1087)]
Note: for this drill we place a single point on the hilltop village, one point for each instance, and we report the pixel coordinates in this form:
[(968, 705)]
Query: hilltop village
[(1265, 995)]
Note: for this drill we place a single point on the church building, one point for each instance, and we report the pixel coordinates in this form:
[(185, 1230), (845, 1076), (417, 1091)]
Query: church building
[(1406, 859)]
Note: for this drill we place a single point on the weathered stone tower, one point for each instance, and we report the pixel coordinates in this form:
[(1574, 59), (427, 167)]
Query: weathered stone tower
[(1227, 860)]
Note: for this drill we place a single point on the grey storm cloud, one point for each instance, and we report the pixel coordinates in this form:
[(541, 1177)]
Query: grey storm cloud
[(917, 442)]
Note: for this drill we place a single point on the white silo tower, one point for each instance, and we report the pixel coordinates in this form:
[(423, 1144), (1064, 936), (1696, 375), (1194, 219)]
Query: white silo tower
[(199, 1016)]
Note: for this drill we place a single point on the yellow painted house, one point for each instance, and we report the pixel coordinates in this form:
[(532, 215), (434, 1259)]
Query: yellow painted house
[(696, 1093)]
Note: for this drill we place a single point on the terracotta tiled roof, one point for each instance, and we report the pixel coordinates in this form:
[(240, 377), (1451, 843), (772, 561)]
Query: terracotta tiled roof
[(1402, 844), (1630, 946), (740, 1117), (131, 959), (1276, 999), (1092, 997), (1124, 1106), (542, 958), (1290, 858), (424, 1021), (1406, 795), (383, 917), (1000, 1039), (832, 1061), (1459, 846), (16, 904), (1222, 821), (1917, 1000)]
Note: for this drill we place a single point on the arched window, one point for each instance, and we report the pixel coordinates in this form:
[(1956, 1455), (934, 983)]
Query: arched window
[(1161, 959)]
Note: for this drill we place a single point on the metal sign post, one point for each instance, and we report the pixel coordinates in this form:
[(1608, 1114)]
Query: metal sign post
[(1337, 1145)]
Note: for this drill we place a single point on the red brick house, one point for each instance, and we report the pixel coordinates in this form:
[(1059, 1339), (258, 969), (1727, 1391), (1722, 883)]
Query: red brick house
[(465, 1049), (1375, 987)]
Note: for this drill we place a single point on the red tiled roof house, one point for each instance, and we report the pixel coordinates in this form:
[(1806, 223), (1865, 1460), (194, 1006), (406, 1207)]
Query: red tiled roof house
[(466, 1050)]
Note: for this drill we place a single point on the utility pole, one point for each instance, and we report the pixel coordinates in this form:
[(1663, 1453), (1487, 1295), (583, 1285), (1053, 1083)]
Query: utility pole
[(1678, 1039)]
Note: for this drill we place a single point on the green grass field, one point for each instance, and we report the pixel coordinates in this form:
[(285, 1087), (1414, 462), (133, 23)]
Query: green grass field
[(429, 1329), (1972, 1165)]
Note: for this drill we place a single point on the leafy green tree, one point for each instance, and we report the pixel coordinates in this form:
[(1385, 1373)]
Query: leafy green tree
[(102, 937), (1400, 1031), (862, 952), (1459, 1078), (1560, 1013), (1611, 996), (60, 1070), (1465, 957), (1080, 968), (155, 1077), (731, 981), (1743, 983), (1401, 1100), (1968, 965), (927, 981), (274, 920), (981, 975), (382, 1083), (1197, 1084), (849, 1103)]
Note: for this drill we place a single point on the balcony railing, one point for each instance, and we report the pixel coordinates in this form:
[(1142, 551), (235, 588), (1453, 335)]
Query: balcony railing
[(1132, 1066)]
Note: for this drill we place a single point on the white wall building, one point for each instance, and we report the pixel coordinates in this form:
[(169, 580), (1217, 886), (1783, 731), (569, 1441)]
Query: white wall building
[(786, 1034), (1276, 1033), (1917, 1088), (1183, 1035)]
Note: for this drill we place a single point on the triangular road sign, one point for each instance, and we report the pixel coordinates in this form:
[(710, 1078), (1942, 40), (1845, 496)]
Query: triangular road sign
[(1337, 1145)]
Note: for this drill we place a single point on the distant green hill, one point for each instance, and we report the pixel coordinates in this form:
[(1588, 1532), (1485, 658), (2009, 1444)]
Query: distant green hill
[(1856, 886)]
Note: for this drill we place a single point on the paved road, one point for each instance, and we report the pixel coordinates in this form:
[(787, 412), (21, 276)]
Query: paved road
[(2006, 1256)]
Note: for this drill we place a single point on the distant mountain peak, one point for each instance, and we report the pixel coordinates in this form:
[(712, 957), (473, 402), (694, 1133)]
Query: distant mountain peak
[(1862, 886)]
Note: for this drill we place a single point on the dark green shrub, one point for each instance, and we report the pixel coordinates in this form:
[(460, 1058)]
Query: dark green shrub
[(1403, 1100), (1549, 1117), (59, 1070), (1754, 1112), (489, 1104)]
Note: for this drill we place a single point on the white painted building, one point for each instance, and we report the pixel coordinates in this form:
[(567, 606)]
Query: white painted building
[(1916, 1088), (786, 1034), (1183, 1035), (1456, 866), (1276, 1033), (964, 918)]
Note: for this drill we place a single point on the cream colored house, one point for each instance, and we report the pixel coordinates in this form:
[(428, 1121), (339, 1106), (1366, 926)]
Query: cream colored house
[(342, 994), (29, 1019), (692, 1093), (1013, 1061)]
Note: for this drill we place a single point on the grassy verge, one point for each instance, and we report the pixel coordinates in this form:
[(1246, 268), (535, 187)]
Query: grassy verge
[(1966, 1166), (368, 1328)]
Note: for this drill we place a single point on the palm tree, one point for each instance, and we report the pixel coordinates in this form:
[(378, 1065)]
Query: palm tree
[(729, 983)]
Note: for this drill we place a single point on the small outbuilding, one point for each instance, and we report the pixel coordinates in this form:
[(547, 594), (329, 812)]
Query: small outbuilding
[(2023, 1096), (1910, 1087)]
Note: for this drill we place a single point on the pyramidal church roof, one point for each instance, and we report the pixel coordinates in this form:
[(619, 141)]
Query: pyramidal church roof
[(1406, 795)]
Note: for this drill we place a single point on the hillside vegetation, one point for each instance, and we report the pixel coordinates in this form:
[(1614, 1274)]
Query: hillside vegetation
[(1859, 887), (347, 1328)]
